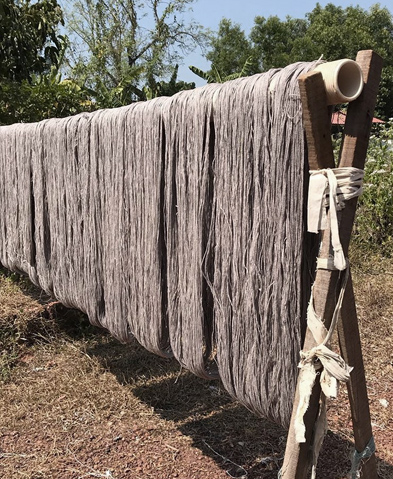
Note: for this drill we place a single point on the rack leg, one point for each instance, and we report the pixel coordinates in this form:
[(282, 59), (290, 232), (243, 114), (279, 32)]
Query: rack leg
[(349, 338)]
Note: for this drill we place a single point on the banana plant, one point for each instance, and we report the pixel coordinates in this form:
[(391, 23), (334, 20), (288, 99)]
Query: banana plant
[(214, 76)]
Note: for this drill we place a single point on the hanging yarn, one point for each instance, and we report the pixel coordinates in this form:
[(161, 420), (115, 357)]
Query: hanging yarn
[(258, 239), (179, 221), (189, 151), (17, 251)]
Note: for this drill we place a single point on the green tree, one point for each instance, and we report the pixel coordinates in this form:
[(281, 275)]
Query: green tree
[(230, 50), (278, 43), (125, 45), (25, 102), (332, 31), (32, 52), (29, 38)]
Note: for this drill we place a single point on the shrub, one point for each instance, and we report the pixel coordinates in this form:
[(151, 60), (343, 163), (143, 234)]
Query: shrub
[(373, 231)]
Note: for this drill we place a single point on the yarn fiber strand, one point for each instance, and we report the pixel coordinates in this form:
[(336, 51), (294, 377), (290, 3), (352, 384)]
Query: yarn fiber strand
[(178, 221)]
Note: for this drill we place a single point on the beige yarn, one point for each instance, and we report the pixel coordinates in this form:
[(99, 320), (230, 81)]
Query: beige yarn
[(179, 221)]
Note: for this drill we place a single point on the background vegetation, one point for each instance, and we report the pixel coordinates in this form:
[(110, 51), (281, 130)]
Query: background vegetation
[(373, 233), (331, 31)]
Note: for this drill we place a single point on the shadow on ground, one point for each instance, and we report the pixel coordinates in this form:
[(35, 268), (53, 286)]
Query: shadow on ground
[(240, 443)]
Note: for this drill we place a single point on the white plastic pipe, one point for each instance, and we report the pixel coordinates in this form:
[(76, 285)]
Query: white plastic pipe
[(343, 80)]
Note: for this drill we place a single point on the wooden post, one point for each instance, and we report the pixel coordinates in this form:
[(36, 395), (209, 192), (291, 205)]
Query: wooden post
[(320, 153), (353, 153)]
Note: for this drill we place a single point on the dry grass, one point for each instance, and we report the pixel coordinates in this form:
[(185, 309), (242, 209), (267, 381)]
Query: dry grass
[(75, 403), (374, 290)]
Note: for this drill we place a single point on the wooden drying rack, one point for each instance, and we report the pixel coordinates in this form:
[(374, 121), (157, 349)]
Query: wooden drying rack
[(354, 145)]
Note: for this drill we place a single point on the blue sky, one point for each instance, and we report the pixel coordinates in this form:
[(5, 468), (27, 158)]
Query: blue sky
[(209, 13)]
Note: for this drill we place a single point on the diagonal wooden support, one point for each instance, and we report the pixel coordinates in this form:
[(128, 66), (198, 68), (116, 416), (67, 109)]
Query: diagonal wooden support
[(353, 153), (354, 147), (320, 155)]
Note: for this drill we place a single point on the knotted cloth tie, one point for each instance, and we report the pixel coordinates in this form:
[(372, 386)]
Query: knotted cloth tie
[(328, 191), (330, 188), (333, 366)]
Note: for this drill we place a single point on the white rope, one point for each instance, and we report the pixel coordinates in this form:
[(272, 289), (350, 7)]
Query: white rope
[(330, 188), (326, 263)]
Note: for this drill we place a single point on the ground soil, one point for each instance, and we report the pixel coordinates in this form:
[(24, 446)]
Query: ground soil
[(75, 403)]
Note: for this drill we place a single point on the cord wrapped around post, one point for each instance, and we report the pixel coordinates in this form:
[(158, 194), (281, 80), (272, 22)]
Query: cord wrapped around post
[(358, 457)]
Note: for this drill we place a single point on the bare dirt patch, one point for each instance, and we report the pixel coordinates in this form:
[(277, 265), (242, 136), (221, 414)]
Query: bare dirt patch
[(77, 404)]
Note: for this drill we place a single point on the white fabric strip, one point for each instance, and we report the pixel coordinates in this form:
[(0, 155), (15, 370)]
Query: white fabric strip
[(329, 189), (320, 359), (326, 263)]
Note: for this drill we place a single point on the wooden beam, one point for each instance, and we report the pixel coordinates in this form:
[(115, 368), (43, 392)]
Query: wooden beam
[(360, 112), (353, 153), (349, 338), (320, 155), (316, 121)]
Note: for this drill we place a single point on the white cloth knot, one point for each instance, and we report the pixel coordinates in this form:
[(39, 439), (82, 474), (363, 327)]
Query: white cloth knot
[(334, 369), (332, 365), (330, 188)]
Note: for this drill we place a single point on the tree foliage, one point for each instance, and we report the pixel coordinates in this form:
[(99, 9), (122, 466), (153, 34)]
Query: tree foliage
[(124, 45), (216, 76), (332, 31), (32, 51), (278, 43), (26, 102), (167, 88), (374, 222), (29, 39), (230, 51)]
